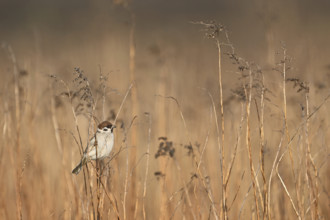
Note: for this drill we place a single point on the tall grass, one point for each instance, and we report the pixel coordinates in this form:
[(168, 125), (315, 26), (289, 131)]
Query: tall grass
[(259, 153)]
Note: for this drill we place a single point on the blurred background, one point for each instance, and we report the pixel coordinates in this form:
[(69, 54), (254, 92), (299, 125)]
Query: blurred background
[(172, 57), (61, 33)]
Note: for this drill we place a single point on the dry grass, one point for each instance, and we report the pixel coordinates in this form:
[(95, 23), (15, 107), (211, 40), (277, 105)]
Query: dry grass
[(256, 150)]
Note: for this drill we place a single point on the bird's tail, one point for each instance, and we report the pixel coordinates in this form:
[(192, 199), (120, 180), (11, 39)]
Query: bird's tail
[(79, 166)]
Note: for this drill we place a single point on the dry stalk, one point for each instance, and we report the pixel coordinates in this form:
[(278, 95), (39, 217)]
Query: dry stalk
[(100, 200), (224, 188), (311, 167), (301, 172), (271, 177), (310, 116), (18, 132), (280, 145), (248, 93), (70, 96), (103, 79), (213, 31), (89, 96), (284, 186), (284, 72), (136, 207), (147, 167), (98, 179), (112, 200), (233, 159), (244, 200), (231, 164), (134, 103), (262, 145), (238, 188), (125, 186), (181, 200), (122, 103)]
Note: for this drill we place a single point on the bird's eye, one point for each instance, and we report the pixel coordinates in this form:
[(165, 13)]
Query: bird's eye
[(105, 129)]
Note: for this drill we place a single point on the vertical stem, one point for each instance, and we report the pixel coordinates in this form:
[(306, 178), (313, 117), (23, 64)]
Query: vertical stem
[(248, 139), (286, 121), (224, 206), (98, 193), (125, 187), (262, 148), (147, 169), (285, 109), (18, 130), (311, 164), (103, 103), (134, 108)]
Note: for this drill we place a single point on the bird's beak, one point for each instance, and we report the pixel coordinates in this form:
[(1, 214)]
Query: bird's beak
[(114, 126)]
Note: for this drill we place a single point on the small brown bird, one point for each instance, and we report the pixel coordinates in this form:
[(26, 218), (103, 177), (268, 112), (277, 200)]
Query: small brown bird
[(99, 146)]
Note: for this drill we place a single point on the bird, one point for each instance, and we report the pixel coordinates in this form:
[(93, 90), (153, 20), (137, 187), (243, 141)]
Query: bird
[(100, 146)]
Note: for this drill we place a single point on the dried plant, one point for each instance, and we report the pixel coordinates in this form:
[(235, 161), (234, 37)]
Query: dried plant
[(251, 145)]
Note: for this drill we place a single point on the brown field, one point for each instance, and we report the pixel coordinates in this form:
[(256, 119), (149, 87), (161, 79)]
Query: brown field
[(213, 122)]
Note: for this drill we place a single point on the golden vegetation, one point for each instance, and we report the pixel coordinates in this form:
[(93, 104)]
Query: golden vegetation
[(252, 146)]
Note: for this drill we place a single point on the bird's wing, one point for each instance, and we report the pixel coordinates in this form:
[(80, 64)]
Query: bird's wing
[(91, 145)]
